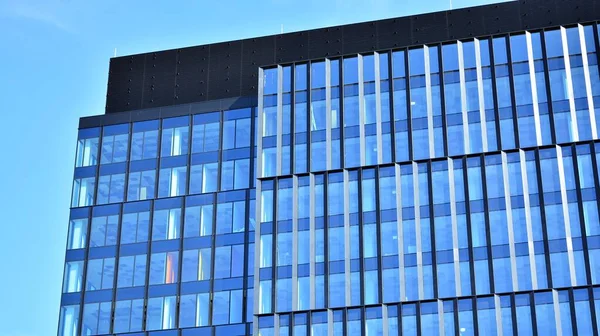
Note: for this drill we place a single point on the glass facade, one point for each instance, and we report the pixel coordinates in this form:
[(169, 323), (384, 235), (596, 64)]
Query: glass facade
[(446, 189), (450, 189)]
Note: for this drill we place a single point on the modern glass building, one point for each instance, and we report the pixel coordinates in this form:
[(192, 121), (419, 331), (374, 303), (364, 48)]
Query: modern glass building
[(429, 175)]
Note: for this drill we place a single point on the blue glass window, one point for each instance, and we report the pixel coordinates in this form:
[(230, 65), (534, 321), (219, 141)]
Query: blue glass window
[(194, 310), (144, 140), (175, 137), (115, 140), (132, 271), (100, 274), (96, 318), (206, 132), (163, 268), (104, 231), (87, 148), (129, 315), (161, 312), (135, 227)]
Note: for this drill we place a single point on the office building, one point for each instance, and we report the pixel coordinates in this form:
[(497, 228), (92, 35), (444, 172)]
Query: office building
[(428, 175)]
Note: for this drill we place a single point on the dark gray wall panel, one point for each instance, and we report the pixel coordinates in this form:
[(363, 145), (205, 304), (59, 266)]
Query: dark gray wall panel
[(229, 69)]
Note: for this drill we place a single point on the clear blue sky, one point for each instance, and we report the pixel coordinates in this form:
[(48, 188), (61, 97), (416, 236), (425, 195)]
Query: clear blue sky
[(54, 57)]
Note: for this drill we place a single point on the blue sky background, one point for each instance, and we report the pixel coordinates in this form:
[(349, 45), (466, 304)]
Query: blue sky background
[(54, 57)]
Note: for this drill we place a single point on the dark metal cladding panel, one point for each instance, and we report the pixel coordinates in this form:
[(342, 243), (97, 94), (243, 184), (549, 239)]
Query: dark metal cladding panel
[(192, 75), (495, 20), (359, 38), (125, 84), (224, 70), (292, 47), (159, 85), (255, 52), (394, 33), (425, 26), (325, 42), (465, 24), (230, 69)]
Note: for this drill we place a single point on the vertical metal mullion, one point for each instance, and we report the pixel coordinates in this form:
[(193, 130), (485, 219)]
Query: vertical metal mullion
[(482, 114), (391, 105), (556, 305), (513, 94), (495, 95), (294, 242), (443, 100), (361, 109), (399, 228), (128, 164), (454, 219), (361, 256), (528, 225), (455, 317), (543, 219), (591, 303), (378, 233), (259, 132), (253, 155), (341, 112), (463, 98), (468, 221), (292, 119), (180, 252), (432, 228), (588, 83), (548, 89), (488, 233), (274, 246), (347, 228), (220, 152), (246, 255), (417, 209), (330, 322), (418, 315), (308, 117), (312, 239), (276, 323), (573, 312), (532, 312), (582, 229), (440, 309), (474, 301), (328, 114), (149, 259), (213, 251), (279, 120), (498, 311), (429, 101), (84, 270), (565, 207), (509, 222), (513, 313), (534, 97), (384, 319), (326, 237), (569, 84), (378, 108), (408, 105), (97, 177)]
